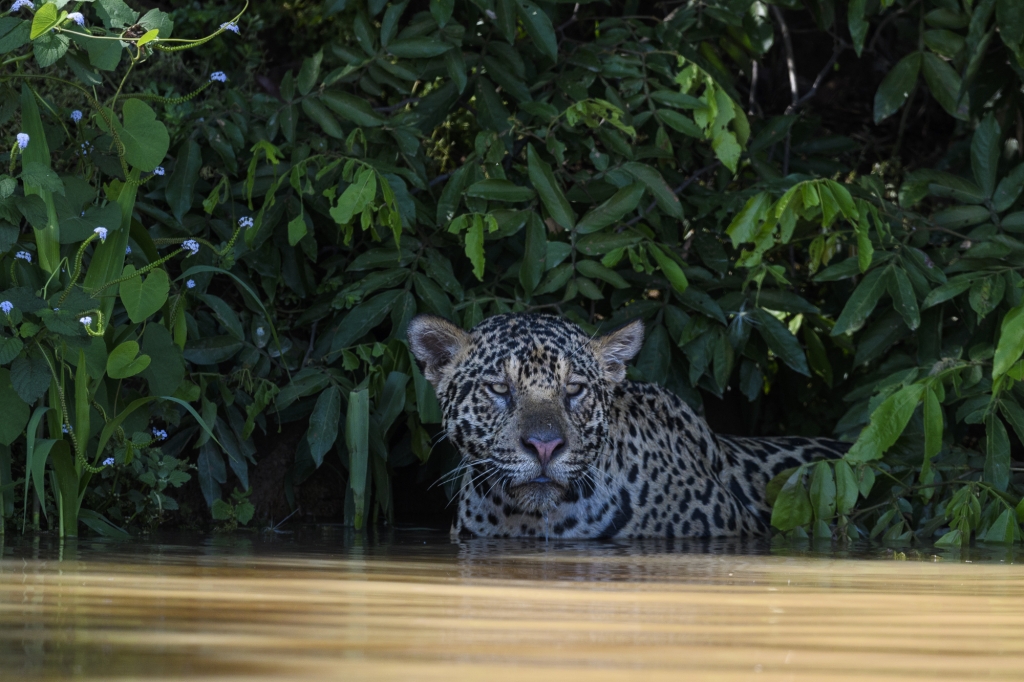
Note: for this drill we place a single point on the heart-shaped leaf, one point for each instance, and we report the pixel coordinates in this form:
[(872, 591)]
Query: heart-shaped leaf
[(142, 298), (44, 19), (125, 361), (145, 139)]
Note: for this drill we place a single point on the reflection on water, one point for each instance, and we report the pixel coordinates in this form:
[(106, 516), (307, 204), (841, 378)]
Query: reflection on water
[(329, 605)]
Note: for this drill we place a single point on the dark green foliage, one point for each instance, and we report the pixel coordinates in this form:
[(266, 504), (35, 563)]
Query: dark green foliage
[(843, 272)]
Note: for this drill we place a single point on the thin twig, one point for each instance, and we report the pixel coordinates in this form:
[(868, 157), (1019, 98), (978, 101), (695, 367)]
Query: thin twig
[(794, 93), (838, 50), (396, 107), (309, 350)]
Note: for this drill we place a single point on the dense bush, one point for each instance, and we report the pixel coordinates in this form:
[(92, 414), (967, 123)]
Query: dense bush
[(833, 245)]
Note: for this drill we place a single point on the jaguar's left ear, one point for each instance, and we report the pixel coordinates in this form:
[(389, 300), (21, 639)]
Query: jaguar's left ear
[(614, 350)]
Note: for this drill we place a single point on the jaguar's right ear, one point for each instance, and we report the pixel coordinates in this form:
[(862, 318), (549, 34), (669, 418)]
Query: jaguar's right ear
[(435, 342)]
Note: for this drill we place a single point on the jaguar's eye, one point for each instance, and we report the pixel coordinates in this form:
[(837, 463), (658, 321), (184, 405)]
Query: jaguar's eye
[(500, 389), (574, 390)]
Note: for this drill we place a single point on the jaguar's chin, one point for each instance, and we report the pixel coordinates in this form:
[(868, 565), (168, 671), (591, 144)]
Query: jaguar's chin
[(539, 494)]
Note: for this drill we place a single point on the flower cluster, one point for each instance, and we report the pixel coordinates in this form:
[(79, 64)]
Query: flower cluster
[(159, 434), (190, 245), (230, 26), (85, 320), (6, 307), (22, 140), (159, 170), (127, 250), (219, 76), (78, 19), (191, 284), (76, 115), (246, 222), (24, 255), (66, 428), (86, 148), (109, 461), (18, 4), (101, 232)]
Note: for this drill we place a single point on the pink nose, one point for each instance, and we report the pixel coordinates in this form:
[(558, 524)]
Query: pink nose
[(545, 449)]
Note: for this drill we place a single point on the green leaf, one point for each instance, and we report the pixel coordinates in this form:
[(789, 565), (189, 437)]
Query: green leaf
[(211, 350), (309, 74), (147, 37), (30, 376), (846, 487), (670, 268), (357, 428), (125, 361), (1003, 530), (356, 197), (953, 538), (534, 255), (1009, 189), (296, 230), (418, 48), (781, 341), (997, 453), (792, 508), (181, 185), (613, 210), (986, 148), (45, 18), (323, 424), (1010, 20), (887, 423), (1011, 342), (859, 306), (50, 47), (823, 492), (903, 297), (500, 190), (361, 319), (857, 24), (550, 193), (40, 175), (352, 108), (662, 193), (896, 86), (167, 369), (442, 10), (142, 298), (10, 346), (944, 84), (744, 225), (14, 409), (322, 117), (539, 28), (115, 13), (145, 138)]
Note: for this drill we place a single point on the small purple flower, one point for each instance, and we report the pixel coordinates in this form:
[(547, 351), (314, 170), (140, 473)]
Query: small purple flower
[(159, 434), (191, 284), (101, 232), (18, 4), (108, 462), (66, 428), (76, 115), (127, 250), (190, 245), (78, 19), (7, 307), (245, 222), (22, 140), (219, 76), (85, 320), (230, 26), (159, 170), (24, 255)]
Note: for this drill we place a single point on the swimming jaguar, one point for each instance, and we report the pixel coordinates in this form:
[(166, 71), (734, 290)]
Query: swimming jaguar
[(556, 442)]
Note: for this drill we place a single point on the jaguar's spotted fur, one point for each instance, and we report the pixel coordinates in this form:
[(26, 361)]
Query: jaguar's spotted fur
[(555, 442)]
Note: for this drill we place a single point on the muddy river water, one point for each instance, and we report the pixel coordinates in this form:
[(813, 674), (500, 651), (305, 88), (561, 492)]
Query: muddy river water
[(328, 605)]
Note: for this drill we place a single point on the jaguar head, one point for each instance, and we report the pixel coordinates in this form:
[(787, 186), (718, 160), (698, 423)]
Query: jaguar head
[(525, 397)]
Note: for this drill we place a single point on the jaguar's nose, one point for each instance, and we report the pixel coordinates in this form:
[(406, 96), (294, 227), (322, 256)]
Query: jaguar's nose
[(545, 450)]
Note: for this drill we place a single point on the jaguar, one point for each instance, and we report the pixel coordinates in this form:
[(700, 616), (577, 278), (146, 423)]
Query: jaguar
[(556, 442)]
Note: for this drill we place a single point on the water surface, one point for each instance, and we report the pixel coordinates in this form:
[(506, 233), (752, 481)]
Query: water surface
[(329, 605)]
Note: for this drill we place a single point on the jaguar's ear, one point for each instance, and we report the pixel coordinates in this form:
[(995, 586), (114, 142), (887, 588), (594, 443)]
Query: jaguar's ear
[(616, 349), (435, 342)]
